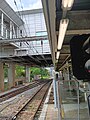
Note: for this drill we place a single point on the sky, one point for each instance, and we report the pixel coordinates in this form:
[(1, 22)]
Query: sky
[(26, 4)]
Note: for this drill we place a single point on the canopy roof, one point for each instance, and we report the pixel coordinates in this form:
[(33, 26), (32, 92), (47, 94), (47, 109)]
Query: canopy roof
[(79, 23), (5, 7)]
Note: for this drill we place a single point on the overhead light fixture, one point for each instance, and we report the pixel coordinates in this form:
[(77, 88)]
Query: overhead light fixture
[(67, 4), (62, 30), (57, 56)]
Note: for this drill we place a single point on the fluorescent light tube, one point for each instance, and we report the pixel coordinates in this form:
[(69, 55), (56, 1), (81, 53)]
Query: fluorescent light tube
[(67, 4), (62, 30), (57, 56)]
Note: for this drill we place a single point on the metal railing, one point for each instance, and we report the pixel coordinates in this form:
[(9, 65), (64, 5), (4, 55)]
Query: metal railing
[(75, 97), (33, 50), (6, 31)]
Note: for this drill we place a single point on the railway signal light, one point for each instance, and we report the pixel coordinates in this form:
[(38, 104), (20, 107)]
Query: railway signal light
[(80, 55)]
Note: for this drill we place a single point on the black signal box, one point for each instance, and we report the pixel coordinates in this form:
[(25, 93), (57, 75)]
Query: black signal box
[(80, 56)]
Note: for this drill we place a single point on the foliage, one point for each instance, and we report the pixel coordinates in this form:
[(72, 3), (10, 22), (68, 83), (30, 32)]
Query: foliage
[(20, 71), (5, 71), (39, 71)]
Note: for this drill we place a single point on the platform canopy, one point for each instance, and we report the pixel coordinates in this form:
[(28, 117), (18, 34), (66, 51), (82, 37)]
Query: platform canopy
[(78, 16), (5, 7)]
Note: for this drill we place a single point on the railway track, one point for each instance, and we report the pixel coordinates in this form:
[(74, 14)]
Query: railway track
[(19, 90), (29, 110)]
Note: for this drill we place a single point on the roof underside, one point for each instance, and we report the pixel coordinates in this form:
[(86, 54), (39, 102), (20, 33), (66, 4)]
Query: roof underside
[(30, 60), (79, 23), (10, 12)]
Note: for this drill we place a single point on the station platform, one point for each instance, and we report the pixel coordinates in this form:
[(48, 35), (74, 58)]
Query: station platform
[(52, 113), (69, 107)]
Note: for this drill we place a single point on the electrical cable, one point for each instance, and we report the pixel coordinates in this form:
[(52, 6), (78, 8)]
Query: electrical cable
[(24, 16), (20, 17), (25, 20), (27, 25)]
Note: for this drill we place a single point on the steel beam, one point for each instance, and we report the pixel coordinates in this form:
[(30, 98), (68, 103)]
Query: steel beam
[(24, 39)]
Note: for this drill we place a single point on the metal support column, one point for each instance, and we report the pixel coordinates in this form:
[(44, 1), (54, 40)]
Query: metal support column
[(54, 89), (78, 101), (17, 33), (10, 29), (58, 101), (2, 24), (88, 98), (68, 76), (28, 73), (77, 83), (1, 77), (11, 75)]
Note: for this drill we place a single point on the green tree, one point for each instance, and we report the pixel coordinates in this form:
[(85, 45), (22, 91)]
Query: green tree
[(20, 71), (5, 71), (39, 71)]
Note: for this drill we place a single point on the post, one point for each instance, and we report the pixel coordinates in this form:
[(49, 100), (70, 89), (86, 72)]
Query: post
[(6, 34), (27, 74), (2, 24), (68, 78), (64, 74), (58, 101), (51, 71), (54, 89), (11, 75), (1, 77), (88, 98), (78, 102), (17, 32), (10, 29), (77, 83)]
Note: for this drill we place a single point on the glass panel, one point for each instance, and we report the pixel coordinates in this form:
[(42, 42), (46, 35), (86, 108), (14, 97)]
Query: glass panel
[(41, 33)]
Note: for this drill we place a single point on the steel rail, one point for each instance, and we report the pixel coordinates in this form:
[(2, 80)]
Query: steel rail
[(18, 91), (17, 114)]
